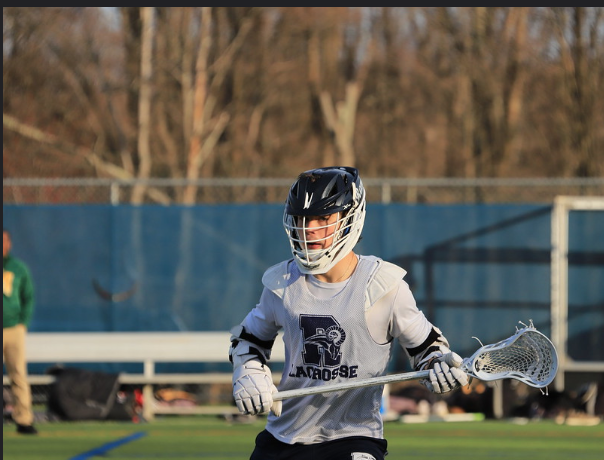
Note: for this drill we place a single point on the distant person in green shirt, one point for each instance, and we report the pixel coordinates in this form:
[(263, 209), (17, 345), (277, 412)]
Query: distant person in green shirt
[(17, 310)]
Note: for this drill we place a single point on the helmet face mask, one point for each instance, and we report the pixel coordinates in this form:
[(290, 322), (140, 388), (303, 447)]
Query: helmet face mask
[(323, 204)]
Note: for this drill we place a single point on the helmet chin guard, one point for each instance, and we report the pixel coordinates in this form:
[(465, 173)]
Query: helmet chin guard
[(322, 192)]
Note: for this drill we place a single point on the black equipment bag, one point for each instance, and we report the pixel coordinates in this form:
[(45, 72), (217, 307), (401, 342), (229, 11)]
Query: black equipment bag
[(79, 394)]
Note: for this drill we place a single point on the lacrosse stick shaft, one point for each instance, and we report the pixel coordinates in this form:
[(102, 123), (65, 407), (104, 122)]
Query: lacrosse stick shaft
[(527, 356), (382, 380)]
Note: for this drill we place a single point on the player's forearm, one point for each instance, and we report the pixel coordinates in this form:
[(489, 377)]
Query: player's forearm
[(246, 346), (434, 346)]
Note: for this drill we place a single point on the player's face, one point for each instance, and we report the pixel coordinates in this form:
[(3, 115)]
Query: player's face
[(318, 230)]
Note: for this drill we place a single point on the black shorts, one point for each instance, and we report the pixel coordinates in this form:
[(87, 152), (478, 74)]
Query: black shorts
[(269, 448)]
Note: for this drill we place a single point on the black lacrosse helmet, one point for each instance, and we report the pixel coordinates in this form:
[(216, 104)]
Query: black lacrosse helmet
[(320, 192)]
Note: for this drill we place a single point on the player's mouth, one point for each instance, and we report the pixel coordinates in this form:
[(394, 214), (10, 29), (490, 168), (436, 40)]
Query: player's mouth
[(314, 246)]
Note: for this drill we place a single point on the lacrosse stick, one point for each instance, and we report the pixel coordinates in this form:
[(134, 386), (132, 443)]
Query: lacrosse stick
[(527, 356)]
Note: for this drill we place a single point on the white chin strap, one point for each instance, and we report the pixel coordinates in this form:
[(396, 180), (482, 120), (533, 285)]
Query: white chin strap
[(312, 263)]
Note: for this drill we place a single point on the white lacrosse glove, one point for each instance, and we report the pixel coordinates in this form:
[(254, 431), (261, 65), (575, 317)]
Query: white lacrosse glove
[(253, 389), (445, 374)]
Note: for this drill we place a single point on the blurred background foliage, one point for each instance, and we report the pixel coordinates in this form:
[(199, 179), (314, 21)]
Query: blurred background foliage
[(260, 92)]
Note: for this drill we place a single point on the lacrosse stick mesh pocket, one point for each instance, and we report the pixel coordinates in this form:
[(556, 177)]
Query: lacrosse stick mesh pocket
[(530, 357)]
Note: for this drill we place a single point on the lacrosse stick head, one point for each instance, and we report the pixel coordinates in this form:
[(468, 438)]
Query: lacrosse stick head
[(527, 356)]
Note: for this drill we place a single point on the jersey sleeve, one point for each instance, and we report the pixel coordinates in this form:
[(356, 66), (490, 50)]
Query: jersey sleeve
[(255, 336), (408, 323), (419, 338), (262, 321)]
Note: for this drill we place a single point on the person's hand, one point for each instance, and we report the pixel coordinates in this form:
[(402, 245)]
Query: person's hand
[(253, 389), (445, 374)]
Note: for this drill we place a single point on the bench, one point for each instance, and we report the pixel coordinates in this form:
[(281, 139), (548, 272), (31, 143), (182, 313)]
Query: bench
[(147, 348), (150, 348)]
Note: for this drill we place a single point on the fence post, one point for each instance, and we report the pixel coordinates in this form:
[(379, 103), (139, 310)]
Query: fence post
[(114, 193)]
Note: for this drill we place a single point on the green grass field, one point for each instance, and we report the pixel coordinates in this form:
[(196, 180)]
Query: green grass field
[(205, 437)]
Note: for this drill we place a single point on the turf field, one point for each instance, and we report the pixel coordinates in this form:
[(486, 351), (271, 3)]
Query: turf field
[(205, 437)]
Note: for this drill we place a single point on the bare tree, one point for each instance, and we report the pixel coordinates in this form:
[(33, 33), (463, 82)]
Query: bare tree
[(195, 92), (327, 74), (580, 40), (144, 104)]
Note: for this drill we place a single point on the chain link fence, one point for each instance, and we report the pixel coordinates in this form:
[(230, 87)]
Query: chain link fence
[(233, 190)]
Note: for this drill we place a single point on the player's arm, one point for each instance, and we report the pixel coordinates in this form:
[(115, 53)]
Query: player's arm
[(434, 354), (27, 297), (250, 352), (425, 345)]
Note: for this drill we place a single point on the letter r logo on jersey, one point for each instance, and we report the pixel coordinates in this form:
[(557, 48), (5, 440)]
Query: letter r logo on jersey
[(323, 338)]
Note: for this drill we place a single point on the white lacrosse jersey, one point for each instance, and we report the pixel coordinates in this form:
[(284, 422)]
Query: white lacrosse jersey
[(328, 340)]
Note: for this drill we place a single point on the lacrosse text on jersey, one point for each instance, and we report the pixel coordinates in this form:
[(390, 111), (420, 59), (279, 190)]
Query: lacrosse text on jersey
[(316, 373)]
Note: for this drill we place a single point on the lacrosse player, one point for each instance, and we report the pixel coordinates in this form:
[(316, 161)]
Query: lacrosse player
[(339, 313)]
